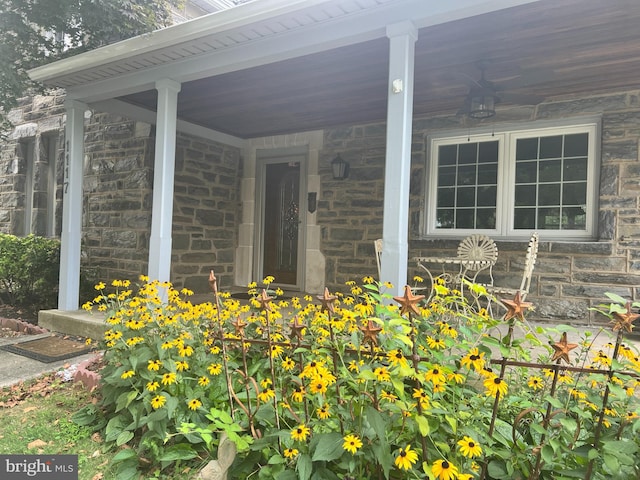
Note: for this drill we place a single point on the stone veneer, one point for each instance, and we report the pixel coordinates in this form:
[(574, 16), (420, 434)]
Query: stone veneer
[(118, 176), (569, 277)]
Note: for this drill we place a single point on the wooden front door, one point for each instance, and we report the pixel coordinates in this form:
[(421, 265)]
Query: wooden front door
[(281, 222)]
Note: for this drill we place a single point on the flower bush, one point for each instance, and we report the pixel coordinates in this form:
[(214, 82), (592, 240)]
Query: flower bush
[(361, 385)]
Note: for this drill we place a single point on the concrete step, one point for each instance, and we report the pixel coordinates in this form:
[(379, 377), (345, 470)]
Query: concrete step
[(79, 323)]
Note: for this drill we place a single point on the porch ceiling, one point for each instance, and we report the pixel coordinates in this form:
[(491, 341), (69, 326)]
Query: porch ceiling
[(572, 47)]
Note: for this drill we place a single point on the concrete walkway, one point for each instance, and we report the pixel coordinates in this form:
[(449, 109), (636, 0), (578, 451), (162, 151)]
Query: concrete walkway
[(16, 368)]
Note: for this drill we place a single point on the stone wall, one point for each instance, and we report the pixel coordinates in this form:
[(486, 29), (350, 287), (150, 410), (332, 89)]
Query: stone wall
[(38, 120), (119, 195), (569, 277), (117, 201), (206, 213)]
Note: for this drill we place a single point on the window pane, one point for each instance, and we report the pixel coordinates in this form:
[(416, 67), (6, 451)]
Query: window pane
[(549, 194), (487, 196), (488, 152), (446, 197), (524, 218), (444, 218), (573, 218), (526, 172), (574, 194), (527, 149), (464, 218), (486, 218), (467, 175), (447, 154), (525, 195), (488, 174), (576, 145), (467, 153), (551, 147), (575, 169), (446, 176), (466, 197), (549, 218), (549, 171)]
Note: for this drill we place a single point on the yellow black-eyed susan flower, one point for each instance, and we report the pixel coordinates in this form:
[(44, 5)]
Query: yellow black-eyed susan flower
[(469, 447), (300, 433), (406, 458), (444, 470), (352, 443)]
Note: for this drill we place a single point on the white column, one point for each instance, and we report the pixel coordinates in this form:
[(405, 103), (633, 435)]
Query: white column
[(69, 294), (163, 179), (402, 38)]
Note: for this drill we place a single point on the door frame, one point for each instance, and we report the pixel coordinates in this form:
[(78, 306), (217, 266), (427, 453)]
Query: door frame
[(265, 157)]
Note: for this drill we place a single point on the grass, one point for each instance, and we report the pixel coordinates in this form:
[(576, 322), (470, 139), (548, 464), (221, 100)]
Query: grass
[(36, 419)]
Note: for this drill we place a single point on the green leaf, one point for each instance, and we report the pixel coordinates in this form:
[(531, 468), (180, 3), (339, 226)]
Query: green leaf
[(497, 469), (423, 425), (453, 422), (181, 451), (124, 399), (547, 454), (125, 454), (286, 475), (611, 462), (304, 467), (123, 438), (376, 421), (328, 447), (593, 454), (114, 427), (620, 446)]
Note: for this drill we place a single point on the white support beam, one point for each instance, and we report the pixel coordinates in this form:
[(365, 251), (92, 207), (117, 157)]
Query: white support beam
[(70, 247), (163, 179), (140, 114), (402, 38)]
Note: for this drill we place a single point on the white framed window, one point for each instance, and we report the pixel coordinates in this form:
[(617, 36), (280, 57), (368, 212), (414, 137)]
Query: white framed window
[(508, 183)]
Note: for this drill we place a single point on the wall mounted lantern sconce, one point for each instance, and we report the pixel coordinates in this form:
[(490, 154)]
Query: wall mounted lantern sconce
[(340, 168), (312, 201)]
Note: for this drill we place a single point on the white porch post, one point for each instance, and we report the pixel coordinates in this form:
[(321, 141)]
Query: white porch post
[(163, 179), (69, 283), (402, 37)]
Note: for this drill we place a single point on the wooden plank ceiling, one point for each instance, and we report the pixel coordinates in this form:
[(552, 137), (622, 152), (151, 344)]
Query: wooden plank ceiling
[(550, 48)]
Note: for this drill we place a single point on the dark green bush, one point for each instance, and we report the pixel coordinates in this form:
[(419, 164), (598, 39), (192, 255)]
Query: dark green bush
[(29, 270)]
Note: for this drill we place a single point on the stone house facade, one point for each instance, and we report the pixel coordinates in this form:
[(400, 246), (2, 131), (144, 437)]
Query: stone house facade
[(570, 276)]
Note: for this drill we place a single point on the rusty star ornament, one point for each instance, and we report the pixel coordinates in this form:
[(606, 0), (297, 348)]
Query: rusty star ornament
[(624, 321), (239, 326), (296, 329), (562, 349), (516, 307), (265, 300), (327, 301), (213, 282), (408, 302), (371, 333)]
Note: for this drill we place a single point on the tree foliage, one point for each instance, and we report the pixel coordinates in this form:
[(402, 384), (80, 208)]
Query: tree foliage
[(35, 32)]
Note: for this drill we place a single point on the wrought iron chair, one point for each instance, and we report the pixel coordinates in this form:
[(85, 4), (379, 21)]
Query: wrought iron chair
[(378, 249), (481, 253), (527, 273), (476, 253)]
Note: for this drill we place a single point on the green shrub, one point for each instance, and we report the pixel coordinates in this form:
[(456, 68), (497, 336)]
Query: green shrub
[(29, 270)]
